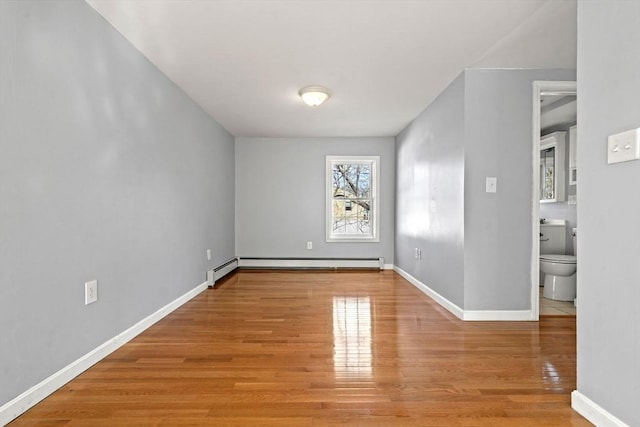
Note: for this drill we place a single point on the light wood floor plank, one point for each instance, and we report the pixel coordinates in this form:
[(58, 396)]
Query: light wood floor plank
[(325, 348)]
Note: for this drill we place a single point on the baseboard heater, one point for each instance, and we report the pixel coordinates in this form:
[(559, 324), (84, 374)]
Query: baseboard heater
[(220, 271), (308, 263)]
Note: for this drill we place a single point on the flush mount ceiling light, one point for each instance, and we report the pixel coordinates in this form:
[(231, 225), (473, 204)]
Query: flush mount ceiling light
[(314, 95)]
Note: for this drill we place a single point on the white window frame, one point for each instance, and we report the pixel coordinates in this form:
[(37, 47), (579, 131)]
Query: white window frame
[(374, 162)]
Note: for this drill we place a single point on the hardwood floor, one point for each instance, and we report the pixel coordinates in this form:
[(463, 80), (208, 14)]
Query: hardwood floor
[(325, 348)]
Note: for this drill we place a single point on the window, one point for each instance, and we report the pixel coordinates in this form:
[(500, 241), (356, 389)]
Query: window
[(352, 185)]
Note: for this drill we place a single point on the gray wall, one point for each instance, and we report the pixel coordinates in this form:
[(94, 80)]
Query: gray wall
[(429, 194), (608, 208), (497, 226), (107, 172), (476, 245), (280, 196)]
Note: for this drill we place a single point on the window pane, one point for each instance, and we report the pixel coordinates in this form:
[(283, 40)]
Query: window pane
[(338, 220), (352, 221), (338, 182), (363, 181), (352, 180), (363, 218), (350, 203), (348, 174), (353, 177), (351, 214)]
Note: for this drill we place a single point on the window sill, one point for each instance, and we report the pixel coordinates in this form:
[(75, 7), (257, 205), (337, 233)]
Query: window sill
[(353, 240)]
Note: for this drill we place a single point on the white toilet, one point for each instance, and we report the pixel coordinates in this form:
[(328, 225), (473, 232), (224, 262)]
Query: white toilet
[(559, 269)]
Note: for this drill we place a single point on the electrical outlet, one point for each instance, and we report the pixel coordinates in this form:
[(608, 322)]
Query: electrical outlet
[(309, 245), (491, 184), (90, 292), (209, 254)]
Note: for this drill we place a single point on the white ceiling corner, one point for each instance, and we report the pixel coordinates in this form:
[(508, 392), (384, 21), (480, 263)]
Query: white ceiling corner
[(243, 61)]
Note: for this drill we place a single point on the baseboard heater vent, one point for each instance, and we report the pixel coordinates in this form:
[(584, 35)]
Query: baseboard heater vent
[(320, 263), (220, 271)]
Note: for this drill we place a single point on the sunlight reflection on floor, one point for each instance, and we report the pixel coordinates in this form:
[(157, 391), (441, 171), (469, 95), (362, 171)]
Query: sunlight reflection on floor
[(352, 336)]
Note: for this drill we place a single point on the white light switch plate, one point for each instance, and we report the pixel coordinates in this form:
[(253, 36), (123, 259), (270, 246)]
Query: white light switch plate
[(624, 146), (90, 292), (492, 184)]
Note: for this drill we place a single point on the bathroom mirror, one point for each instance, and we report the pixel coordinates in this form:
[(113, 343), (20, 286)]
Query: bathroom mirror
[(573, 144), (547, 173), (552, 167)]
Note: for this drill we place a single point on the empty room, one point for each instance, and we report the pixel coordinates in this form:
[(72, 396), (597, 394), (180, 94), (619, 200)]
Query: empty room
[(319, 212)]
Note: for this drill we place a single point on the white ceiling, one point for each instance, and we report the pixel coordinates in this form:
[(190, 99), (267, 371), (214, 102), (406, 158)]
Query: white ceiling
[(243, 61)]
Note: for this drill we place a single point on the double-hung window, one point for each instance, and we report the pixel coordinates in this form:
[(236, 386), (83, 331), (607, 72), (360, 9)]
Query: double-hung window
[(352, 198)]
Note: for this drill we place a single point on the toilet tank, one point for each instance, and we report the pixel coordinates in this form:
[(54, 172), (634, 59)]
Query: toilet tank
[(553, 236)]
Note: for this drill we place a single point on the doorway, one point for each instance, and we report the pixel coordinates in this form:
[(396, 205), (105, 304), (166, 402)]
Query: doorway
[(541, 90)]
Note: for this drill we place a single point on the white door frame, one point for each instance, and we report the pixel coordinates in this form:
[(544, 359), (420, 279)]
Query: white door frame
[(540, 88)]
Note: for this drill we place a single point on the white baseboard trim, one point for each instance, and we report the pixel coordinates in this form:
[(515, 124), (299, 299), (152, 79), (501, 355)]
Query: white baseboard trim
[(387, 267), (454, 309), (593, 412), (20, 404), (497, 315), (470, 315)]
